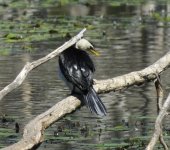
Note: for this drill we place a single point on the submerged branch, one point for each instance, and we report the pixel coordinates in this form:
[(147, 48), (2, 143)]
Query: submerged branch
[(34, 130)]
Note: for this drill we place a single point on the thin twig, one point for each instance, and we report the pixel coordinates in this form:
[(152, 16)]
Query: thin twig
[(161, 139), (158, 123), (159, 92), (160, 95)]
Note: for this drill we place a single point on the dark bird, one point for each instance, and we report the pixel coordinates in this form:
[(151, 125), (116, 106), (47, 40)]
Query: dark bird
[(76, 69)]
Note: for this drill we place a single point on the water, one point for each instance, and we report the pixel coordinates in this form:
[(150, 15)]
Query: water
[(128, 37)]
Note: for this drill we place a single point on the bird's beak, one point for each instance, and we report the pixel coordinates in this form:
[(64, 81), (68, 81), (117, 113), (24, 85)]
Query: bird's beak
[(95, 52)]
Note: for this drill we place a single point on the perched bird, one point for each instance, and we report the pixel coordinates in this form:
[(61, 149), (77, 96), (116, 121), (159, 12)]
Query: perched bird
[(76, 69)]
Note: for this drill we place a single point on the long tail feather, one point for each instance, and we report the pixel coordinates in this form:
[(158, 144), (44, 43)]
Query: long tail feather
[(94, 103)]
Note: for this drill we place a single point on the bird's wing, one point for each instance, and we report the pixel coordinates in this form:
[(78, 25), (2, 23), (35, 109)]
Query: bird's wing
[(77, 68)]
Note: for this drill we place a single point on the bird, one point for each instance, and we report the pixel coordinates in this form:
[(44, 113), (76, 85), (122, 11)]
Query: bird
[(76, 68)]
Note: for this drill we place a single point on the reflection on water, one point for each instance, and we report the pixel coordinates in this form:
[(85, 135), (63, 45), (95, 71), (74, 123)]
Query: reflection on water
[(127, 40)]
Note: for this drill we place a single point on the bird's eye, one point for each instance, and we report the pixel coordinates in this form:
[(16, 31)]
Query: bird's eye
[(91, 47)]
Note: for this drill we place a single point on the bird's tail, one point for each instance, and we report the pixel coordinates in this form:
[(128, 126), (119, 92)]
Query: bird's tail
[(94, 103)]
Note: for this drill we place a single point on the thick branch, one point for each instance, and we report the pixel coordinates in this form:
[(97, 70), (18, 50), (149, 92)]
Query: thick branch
[(33, 131), (158, 124), (134, 78), (30, 66)]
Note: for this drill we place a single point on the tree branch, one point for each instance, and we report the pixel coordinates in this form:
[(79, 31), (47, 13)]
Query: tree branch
[(160, 95), (134, 78), (33, 131), (30, 66), (158, 124)]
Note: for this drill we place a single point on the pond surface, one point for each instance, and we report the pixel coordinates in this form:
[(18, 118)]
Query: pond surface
[(129, 36)]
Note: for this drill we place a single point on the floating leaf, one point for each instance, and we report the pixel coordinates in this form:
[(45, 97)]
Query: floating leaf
[(13, 36), (117, 128)]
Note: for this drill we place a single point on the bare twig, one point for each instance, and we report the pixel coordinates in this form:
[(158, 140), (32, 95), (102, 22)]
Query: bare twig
[(160, 94), (30, 66), (158, 124), (161, 139)]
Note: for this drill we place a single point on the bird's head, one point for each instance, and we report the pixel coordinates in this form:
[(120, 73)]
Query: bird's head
[(85, 45)]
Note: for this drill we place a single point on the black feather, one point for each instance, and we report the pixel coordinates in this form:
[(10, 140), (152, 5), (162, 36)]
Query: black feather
[(77, 67), (94, 103)]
